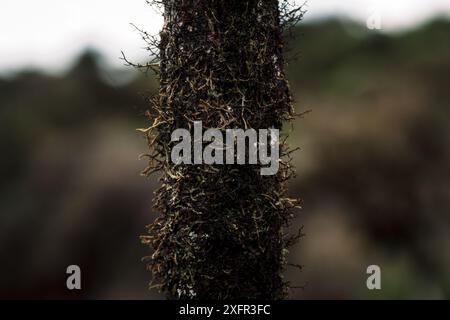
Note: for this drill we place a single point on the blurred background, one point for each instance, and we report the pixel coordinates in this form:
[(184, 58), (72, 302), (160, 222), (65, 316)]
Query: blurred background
[(373, 170)]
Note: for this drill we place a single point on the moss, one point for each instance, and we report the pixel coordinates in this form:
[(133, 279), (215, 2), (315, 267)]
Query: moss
[(220, 231)]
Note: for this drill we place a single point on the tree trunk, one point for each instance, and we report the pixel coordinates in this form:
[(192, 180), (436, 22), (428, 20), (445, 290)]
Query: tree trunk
[(220, 230)]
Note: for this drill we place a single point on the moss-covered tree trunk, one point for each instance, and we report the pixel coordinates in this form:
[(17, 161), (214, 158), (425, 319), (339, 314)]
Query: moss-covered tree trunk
[(220, 230)]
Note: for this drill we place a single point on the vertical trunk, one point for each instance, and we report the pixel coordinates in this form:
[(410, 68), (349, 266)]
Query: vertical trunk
[(220, 230)]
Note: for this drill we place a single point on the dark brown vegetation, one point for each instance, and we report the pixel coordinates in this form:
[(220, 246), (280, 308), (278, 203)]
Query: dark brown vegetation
[(220, 233)]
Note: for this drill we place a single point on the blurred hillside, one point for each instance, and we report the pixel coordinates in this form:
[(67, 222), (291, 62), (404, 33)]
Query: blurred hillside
[(373, 172)]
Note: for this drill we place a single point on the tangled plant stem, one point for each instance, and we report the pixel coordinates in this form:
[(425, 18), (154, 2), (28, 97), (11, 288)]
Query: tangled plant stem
[(220, 230)]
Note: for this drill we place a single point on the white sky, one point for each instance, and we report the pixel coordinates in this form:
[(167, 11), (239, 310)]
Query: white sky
[(49, 34)]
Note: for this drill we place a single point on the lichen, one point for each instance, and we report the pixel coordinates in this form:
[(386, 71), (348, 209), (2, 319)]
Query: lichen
[(220, 233)]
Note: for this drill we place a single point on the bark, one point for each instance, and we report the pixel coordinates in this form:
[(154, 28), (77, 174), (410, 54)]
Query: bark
[(220, 230)]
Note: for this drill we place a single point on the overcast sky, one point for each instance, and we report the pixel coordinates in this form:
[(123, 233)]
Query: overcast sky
[(49, 34)]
